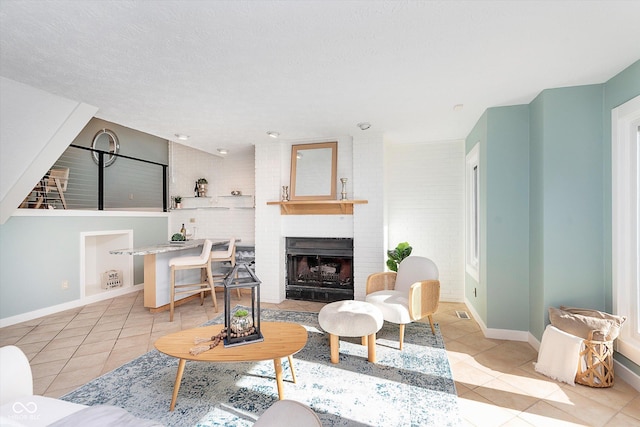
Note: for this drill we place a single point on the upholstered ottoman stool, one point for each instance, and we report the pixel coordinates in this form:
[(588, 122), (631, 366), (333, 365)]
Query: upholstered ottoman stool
[(351, 319)]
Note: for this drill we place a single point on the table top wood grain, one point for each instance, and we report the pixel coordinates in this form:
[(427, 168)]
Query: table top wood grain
[(281, 339)]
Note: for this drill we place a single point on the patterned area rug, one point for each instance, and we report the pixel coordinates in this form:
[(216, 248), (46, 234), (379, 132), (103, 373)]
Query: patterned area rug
[(413, 387)]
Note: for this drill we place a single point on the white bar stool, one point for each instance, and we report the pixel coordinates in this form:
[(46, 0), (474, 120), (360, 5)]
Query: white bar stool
[(224, 256), (190, 262)]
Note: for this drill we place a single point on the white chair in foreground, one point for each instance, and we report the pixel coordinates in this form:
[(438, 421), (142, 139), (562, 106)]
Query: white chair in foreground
[(409, 295), (285, 413), (19, 407), (192, 262), (226, 256)]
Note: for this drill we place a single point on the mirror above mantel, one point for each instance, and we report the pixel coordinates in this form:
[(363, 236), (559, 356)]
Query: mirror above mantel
[(313, 171), (313, 182)]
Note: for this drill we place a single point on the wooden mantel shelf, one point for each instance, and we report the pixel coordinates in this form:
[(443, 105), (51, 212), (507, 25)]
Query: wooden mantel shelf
[(317, 207)]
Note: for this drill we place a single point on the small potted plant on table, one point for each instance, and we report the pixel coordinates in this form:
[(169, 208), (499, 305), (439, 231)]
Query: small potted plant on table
[(178, 201), (241, 322)]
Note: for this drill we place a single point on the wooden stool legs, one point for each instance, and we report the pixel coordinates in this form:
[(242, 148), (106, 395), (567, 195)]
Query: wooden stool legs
[(369, 341)]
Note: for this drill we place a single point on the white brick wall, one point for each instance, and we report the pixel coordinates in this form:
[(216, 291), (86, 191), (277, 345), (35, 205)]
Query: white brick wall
[(368, 171), (425, 202)]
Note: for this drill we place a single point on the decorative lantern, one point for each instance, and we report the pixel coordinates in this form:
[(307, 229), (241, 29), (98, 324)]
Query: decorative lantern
[(242, 326)]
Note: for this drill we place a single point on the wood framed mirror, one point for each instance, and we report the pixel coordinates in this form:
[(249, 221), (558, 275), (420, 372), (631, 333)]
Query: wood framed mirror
[(313, 171)]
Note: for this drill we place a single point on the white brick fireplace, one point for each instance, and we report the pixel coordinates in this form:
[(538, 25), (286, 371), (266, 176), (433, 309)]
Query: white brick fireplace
[(361, 161)]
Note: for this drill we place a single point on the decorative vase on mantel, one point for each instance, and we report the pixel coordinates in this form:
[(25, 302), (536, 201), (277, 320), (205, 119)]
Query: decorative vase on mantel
[(344, 188)]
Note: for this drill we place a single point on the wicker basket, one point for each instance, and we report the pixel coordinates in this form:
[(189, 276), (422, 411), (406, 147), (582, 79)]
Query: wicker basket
[(595, 364)]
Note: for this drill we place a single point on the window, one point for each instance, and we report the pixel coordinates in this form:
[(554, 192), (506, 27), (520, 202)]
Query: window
[(473, 212), (625, 190)]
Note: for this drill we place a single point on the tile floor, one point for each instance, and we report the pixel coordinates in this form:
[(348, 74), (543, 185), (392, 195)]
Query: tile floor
[(495, 379)]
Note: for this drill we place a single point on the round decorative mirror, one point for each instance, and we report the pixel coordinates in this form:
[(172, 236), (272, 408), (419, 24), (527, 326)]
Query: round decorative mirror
[(105, 140)]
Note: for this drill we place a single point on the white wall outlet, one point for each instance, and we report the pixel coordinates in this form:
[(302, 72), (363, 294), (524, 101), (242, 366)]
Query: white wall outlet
[(130, 196), (65, 284), (192, 220)]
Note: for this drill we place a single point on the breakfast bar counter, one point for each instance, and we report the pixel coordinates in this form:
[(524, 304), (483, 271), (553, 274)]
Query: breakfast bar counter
[(157, 274)]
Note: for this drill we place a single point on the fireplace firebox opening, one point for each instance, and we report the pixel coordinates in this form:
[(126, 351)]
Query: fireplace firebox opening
[(319, 269)]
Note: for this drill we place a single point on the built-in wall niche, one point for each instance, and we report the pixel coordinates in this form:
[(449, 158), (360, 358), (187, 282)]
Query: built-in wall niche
[(100, 270)]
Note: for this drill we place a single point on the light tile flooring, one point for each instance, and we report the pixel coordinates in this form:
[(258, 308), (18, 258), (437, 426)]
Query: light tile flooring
[(495, 379)]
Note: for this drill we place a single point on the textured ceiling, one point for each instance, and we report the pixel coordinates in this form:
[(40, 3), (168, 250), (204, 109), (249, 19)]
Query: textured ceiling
[(226, 72)]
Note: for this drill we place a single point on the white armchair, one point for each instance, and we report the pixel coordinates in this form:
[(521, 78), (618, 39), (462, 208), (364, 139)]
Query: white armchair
[(411, 294)]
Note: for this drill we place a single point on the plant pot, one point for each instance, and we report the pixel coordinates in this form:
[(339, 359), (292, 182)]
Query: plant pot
[(178, 205), (241, 324)]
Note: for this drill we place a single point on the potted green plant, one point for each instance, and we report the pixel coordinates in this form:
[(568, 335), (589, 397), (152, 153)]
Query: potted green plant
[(241, 322), (396, 255), (178, 201), (201, 183)]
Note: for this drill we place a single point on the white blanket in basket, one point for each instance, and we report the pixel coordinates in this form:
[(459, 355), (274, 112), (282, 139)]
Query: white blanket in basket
[(558, 355)]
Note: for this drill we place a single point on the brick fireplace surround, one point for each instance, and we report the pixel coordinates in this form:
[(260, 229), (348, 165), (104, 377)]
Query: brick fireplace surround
[(360, 160)]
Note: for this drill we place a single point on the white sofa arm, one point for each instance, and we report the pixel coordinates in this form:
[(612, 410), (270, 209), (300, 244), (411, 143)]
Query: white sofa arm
[(16, 379)]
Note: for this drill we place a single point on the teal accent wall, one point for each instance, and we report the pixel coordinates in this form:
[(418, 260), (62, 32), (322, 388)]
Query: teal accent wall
[(503, 289), (536, 216), (507, 217), (569, 151), (38, 253)]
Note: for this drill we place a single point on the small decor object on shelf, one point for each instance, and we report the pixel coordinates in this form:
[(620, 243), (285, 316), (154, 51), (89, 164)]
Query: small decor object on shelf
[(178, 201), (236, 193), (285, 193), (344, 188), (243, 325), (396, 256), (111, 279), (201, 184)]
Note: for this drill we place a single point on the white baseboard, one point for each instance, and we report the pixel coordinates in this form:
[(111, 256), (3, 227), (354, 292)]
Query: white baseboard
[(626, 374), (498, 334), (25, 317)]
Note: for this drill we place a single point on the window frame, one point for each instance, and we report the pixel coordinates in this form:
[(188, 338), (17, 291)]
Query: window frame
[(472, 212), (625, 233)]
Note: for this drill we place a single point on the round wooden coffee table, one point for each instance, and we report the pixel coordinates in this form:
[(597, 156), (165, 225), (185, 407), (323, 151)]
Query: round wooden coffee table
[(281, 339)]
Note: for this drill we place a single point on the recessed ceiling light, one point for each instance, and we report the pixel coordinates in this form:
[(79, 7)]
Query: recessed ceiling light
[(364, 125), (458, 107), (223, 151), (273, 134), (182, 137)]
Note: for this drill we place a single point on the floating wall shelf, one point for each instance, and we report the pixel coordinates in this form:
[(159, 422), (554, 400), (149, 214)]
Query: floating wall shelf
[(318, 207)]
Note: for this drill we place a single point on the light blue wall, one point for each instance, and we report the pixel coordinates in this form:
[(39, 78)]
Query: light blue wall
[(503, 290), (507, 217), (38, 253), (536, 217), (572, 199)]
